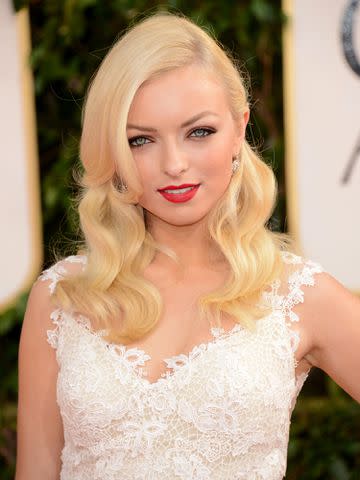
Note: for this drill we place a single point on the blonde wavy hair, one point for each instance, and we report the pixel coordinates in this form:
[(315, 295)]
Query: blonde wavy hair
[(117, 243)]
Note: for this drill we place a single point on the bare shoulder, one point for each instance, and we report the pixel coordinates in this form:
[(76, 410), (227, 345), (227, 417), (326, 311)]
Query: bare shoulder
[(331, 317), (40, 436), (329, 304)]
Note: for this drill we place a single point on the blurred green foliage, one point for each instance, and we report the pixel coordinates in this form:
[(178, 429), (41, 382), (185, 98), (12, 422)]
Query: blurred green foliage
[(69, 40)]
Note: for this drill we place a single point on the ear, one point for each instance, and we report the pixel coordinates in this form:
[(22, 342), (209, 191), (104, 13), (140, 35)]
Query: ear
[(243, 123), (245, 120), (240, 130)]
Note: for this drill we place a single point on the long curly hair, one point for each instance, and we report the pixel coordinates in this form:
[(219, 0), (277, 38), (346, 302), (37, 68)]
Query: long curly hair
[(116, 241)]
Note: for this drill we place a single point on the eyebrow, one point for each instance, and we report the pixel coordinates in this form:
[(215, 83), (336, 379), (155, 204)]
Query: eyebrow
[(185, 124)]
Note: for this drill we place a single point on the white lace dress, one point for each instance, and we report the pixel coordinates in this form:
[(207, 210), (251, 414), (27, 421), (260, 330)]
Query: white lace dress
[(220, 412)]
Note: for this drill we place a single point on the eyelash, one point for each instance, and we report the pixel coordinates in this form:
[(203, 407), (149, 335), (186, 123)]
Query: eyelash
[(209, 131)]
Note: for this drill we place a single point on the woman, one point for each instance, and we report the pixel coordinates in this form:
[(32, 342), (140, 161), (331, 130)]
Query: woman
[(175, 344)]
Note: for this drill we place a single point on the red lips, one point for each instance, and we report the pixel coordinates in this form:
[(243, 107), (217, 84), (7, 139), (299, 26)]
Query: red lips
[(182, 197), (175, 187)]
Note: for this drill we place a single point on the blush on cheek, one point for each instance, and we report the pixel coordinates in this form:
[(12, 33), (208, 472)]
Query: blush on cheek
[(219, 164)]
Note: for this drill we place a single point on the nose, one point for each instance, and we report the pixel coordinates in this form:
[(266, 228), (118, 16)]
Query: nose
[(174, 161)]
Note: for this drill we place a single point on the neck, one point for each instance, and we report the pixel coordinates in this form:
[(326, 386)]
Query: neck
[(191, 243)]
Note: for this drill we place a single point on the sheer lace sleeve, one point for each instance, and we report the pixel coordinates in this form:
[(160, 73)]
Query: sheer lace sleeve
[(52, 275)]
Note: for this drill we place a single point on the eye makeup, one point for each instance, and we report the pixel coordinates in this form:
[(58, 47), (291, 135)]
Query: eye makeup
[(207, 131)]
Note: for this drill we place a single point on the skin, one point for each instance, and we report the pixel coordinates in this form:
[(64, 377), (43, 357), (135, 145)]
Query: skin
[(174, 155)]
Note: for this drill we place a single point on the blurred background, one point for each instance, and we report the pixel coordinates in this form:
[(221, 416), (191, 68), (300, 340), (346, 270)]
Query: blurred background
[(69, 38)]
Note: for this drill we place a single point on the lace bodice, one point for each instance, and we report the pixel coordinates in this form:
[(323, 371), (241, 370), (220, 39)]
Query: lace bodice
[(220, 412)]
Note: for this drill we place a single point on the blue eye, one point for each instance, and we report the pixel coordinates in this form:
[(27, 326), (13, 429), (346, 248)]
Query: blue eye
[(138, 144), (202, 132)]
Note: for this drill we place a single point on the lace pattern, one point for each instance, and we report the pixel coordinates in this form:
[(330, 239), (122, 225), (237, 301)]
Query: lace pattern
[(222, 411)]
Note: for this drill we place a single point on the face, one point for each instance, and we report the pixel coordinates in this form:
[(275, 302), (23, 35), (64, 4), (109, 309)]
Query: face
[(181, 132)]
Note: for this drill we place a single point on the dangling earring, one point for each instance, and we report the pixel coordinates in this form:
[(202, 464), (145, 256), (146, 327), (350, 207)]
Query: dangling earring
[(235, 163), (119, 185), (123, 188)]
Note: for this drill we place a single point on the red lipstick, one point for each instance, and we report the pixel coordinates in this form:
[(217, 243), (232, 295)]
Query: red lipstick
[(179, 196)]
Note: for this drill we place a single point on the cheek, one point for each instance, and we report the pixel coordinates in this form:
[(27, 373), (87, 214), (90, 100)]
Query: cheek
[(218, 159), (148, 180), (146, 173)]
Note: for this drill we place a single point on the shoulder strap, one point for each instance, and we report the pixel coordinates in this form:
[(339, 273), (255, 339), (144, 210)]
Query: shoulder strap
[(54, 274), (300, 272), (59, 270)]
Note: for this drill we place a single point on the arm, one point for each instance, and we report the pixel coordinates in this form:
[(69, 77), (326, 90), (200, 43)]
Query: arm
[(333, 323), (40, 432)]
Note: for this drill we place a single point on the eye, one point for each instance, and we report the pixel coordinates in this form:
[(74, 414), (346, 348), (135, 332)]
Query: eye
[(137, 141), (202, 132)]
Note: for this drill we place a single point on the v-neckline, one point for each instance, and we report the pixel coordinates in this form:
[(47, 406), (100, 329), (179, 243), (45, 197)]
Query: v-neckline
[(174, 368), (122, 352)]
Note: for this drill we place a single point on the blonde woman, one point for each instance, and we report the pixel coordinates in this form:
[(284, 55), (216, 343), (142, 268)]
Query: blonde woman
[(175, 343)]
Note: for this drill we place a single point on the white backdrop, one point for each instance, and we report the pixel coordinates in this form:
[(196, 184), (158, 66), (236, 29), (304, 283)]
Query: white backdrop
[(322, 126), (20, 236)]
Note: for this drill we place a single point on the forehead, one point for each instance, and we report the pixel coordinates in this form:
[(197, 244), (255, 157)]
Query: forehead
[(180, 92)]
